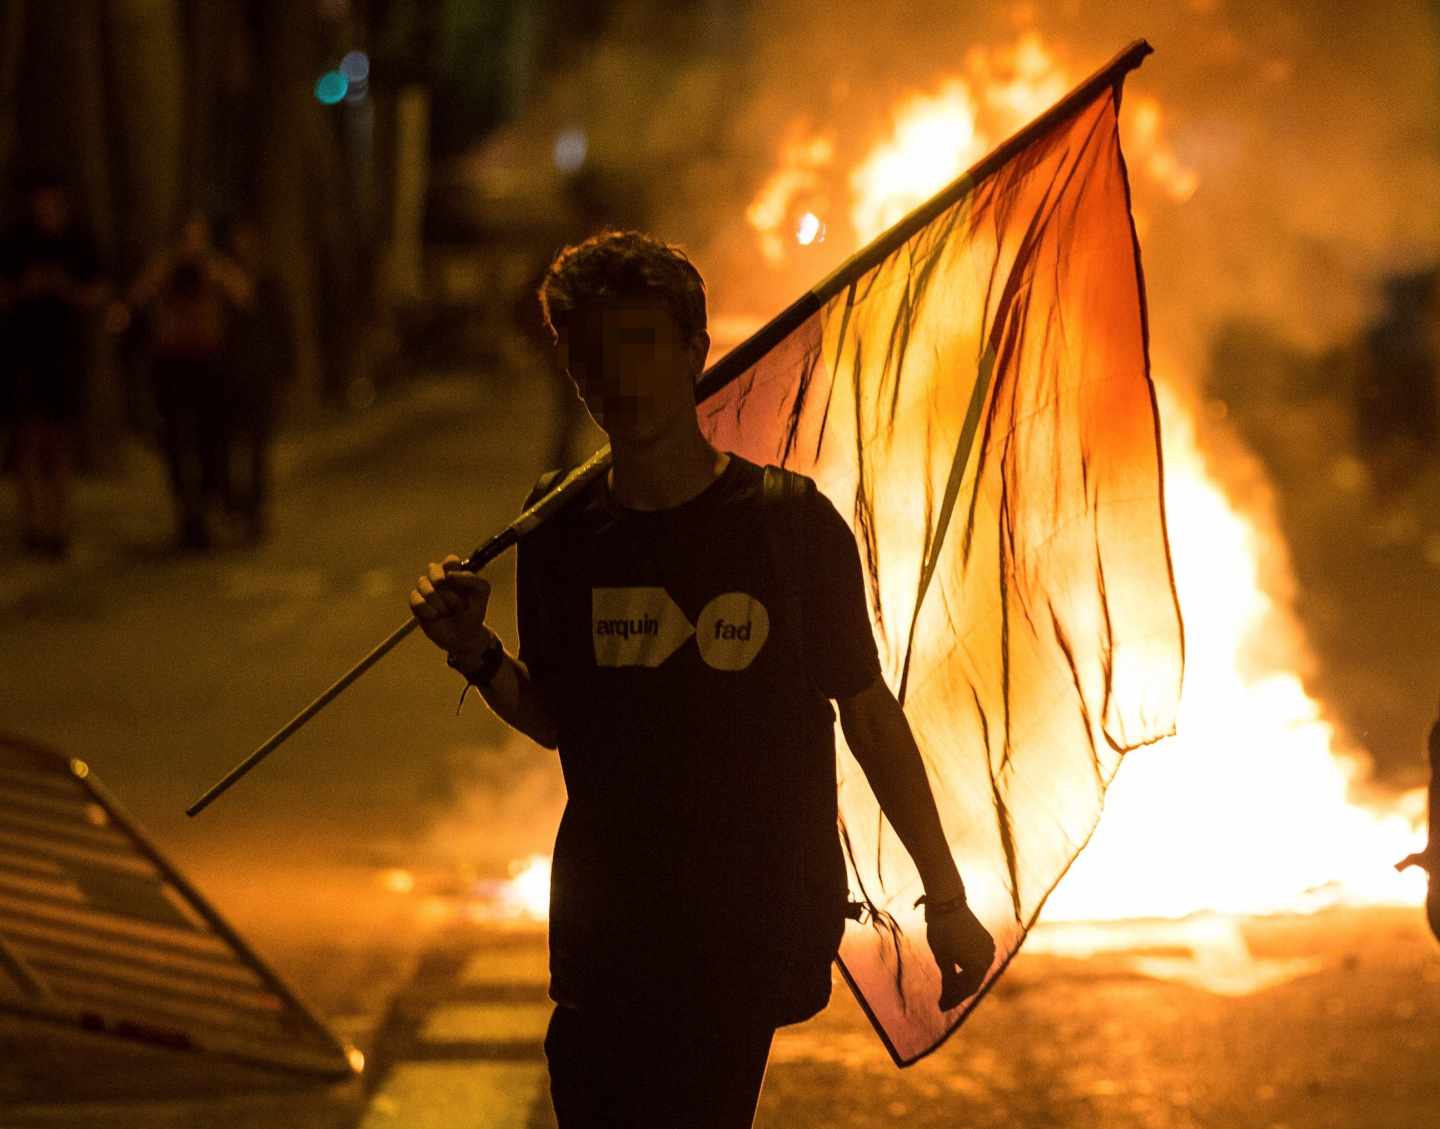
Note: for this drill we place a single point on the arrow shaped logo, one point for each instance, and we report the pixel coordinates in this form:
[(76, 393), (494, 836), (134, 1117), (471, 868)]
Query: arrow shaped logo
[(636, 626)]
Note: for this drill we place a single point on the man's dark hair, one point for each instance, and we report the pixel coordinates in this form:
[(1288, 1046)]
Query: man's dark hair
[(613, 265)]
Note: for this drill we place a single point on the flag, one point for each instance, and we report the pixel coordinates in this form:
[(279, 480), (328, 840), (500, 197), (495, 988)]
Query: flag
[(973, 392)]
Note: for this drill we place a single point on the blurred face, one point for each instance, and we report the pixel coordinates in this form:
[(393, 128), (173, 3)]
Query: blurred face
[(245, 244), (633, 368), (195, 236), (48, 206)]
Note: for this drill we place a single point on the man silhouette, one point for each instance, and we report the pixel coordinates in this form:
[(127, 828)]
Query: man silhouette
[(682, 657)]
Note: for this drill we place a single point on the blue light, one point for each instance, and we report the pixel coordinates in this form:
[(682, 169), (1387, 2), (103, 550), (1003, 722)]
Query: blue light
[(331, 87)]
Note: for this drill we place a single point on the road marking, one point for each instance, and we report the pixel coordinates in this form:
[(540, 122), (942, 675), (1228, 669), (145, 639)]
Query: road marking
[(467, 1048), (507, 966), (442, 1095), (486, 1023)]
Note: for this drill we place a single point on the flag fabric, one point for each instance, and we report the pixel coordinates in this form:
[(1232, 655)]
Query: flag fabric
[(973, 392)]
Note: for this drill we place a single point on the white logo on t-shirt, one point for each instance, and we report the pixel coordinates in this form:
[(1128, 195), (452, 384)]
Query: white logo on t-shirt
[(636, 626), (644, 627), (731, 631)]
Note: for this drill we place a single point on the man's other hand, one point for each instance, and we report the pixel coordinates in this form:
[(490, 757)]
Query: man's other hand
[(964, 950), (1428, 859), (450, 604)]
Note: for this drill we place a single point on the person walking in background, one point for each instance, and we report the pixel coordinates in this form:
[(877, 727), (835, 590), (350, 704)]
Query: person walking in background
[(188, 297), (49, 284), (259, 366), (1429, 858)]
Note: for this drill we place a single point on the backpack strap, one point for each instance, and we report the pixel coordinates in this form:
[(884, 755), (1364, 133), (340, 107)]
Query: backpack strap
[(786, 535)]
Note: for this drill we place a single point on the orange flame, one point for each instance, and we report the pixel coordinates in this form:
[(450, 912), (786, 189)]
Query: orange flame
[(934, 137), (1248, 809), (798, 176)]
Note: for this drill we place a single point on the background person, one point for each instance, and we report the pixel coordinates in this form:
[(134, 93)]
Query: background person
[(49, 284), (259, 366), (188, 296)]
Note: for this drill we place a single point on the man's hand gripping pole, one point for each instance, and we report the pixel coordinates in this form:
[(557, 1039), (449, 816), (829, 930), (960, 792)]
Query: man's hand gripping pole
[(533, 517)]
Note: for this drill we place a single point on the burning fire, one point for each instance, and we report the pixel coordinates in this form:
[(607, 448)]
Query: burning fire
[(800, 174), (528, 891), (1249, 809), (934, 138), (460, 894)]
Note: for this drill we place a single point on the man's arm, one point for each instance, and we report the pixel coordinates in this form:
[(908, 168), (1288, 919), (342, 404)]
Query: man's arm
[(515, 699), (879, 736), (450, 604), (878, 733)]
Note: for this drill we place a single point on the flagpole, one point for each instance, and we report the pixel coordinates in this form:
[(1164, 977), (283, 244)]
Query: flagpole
[(719, 376), (533, 517)]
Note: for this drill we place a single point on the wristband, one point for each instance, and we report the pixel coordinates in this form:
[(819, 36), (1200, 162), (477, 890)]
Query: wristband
[(940, 909), (485, 668)]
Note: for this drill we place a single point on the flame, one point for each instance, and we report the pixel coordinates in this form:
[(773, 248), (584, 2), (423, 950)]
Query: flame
[(934, 136), (1145, 125), (798, 175), (1250, 809), (935, 139), (527, 894), (810, 228)]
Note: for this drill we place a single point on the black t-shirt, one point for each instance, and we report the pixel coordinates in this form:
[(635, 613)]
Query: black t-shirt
[(698, 860)]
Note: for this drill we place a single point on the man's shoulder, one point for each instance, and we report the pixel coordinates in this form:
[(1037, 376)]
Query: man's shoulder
[(769, 482)]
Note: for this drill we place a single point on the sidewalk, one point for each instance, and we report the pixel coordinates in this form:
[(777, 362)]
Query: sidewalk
[(125, 516)]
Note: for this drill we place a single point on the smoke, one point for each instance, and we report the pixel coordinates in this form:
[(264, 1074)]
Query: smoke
[(506, 804)]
